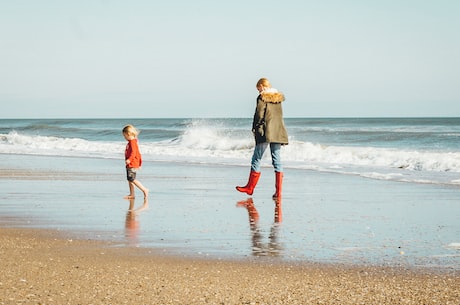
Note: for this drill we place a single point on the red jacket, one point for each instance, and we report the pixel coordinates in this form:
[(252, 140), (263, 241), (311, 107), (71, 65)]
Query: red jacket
[(133, 154)]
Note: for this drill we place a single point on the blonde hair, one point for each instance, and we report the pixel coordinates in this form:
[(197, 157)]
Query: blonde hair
[(264, 83), (130, 130)]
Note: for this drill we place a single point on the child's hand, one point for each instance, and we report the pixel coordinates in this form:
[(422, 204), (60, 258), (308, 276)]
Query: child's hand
[(127, 161)]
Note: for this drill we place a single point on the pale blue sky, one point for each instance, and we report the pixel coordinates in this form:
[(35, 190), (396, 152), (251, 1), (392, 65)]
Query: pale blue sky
[(202, 58)]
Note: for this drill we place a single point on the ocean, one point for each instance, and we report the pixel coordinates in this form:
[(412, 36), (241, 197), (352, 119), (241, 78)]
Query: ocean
[(380, 191), (413, 150)]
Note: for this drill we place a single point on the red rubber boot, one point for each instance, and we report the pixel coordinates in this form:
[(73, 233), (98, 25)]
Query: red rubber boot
[(278, 185), (252, 182)]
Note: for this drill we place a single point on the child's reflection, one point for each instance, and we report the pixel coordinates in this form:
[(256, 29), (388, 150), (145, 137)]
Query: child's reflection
[(132, 223), (273, 248)]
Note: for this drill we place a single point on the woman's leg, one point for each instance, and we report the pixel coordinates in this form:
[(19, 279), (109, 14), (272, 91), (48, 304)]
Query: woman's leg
[(275, 149), (257, 156), (254, 174)]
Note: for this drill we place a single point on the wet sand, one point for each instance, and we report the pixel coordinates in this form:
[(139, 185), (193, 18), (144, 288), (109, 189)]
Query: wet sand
[(46, 267), (68, 237), (195, 210)]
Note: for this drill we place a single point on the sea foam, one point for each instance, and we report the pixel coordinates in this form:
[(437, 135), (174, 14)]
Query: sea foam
[(215, 142), (211, 143)]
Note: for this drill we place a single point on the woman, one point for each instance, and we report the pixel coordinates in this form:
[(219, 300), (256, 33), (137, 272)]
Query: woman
[(268, 129)]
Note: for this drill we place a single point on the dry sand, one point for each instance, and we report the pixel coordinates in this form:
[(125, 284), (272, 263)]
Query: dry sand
[(43, 267)]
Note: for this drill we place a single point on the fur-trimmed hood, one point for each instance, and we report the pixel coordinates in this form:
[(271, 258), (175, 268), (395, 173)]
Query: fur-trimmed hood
[(272, 95)]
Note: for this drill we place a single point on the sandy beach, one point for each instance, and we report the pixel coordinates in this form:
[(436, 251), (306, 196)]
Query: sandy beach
[(43, 267), (68, 237)]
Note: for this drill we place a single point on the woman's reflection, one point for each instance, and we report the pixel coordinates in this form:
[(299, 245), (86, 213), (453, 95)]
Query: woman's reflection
[(273, 248)]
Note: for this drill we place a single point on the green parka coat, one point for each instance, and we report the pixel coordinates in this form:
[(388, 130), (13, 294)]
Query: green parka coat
[(268, 123)]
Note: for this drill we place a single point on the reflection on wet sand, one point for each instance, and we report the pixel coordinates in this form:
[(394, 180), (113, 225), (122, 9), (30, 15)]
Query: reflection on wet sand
[(144, 206), (132, 223), (259, 248)]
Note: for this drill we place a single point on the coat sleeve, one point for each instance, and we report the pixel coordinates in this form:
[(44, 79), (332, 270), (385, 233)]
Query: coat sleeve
[(258, 123)]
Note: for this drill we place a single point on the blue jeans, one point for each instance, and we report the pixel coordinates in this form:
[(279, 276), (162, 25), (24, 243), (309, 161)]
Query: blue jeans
[(275, 149)]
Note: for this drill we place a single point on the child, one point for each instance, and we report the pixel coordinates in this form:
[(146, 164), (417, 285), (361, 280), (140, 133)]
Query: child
[(133, 160)]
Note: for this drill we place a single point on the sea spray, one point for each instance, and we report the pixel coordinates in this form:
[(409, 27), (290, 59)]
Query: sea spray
[(410, 150)]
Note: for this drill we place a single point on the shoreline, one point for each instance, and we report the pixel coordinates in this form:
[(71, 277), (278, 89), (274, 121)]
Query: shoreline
[(195, 209), (43, 266)]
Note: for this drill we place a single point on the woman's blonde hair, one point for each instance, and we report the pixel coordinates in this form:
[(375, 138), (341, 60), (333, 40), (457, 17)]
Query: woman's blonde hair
[(130, 130), (264, 83)]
